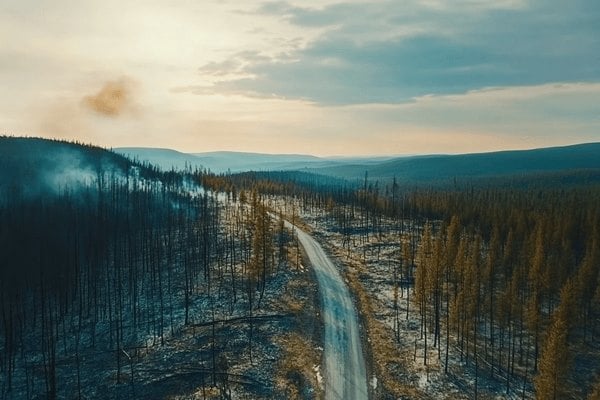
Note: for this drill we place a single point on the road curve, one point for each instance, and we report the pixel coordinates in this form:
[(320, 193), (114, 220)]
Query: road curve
[(345, 376)]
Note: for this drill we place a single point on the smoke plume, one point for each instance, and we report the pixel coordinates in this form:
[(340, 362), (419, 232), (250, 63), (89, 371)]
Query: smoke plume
[(114, 98)]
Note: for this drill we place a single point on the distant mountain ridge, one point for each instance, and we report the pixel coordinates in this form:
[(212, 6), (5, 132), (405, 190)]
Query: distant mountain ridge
[(477, 165), (426, 169), (54, 163), (232, 161)]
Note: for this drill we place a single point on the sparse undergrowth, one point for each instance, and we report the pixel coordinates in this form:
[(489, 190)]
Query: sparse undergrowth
[(298, 371), (285, 356), (286, 352)]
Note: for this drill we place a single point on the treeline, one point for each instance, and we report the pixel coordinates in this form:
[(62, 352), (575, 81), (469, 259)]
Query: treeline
[(122, 263)]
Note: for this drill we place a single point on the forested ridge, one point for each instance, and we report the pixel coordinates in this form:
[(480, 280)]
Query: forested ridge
[(440, 170)]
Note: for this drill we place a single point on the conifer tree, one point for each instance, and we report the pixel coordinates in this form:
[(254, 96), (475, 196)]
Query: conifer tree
[(551, 382), (422, 280)]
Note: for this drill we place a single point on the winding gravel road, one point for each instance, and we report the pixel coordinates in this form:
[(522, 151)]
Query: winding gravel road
[(345, 376)]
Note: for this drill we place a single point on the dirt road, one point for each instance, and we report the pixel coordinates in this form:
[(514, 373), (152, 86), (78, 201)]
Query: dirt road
[(345, 376)]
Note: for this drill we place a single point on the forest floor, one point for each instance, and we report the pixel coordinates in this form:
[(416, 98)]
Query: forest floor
[(282, 362), (272, 353)]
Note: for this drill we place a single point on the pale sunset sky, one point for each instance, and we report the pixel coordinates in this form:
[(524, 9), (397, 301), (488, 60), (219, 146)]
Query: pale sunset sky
[(373, 77)]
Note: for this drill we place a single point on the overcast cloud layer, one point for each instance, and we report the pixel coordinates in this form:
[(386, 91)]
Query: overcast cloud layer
[(389, 52), (321, 77)]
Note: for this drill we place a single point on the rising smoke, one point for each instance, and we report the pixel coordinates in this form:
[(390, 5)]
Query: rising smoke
[(113, 99), (41, 168), (108, 107)]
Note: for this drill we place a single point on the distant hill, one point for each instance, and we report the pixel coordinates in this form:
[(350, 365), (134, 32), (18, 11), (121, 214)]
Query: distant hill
[(166, 159), (219, 161), (53, 163), (224, 161), (233, 161), (436, 169), (576, 163), (36, 165)]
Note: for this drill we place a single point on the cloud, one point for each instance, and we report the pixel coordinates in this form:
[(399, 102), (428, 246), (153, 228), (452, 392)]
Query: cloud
[(236, 65), (524, 116), (113, 99), (308, 17), (259, 79), (382, 53)]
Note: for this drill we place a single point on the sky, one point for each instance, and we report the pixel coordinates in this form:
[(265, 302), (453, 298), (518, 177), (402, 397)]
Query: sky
[(375, 77)]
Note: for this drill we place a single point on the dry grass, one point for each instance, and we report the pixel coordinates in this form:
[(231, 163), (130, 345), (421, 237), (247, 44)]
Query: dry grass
[(385, 353), (296, 376), (208, 393), (296, 369)]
